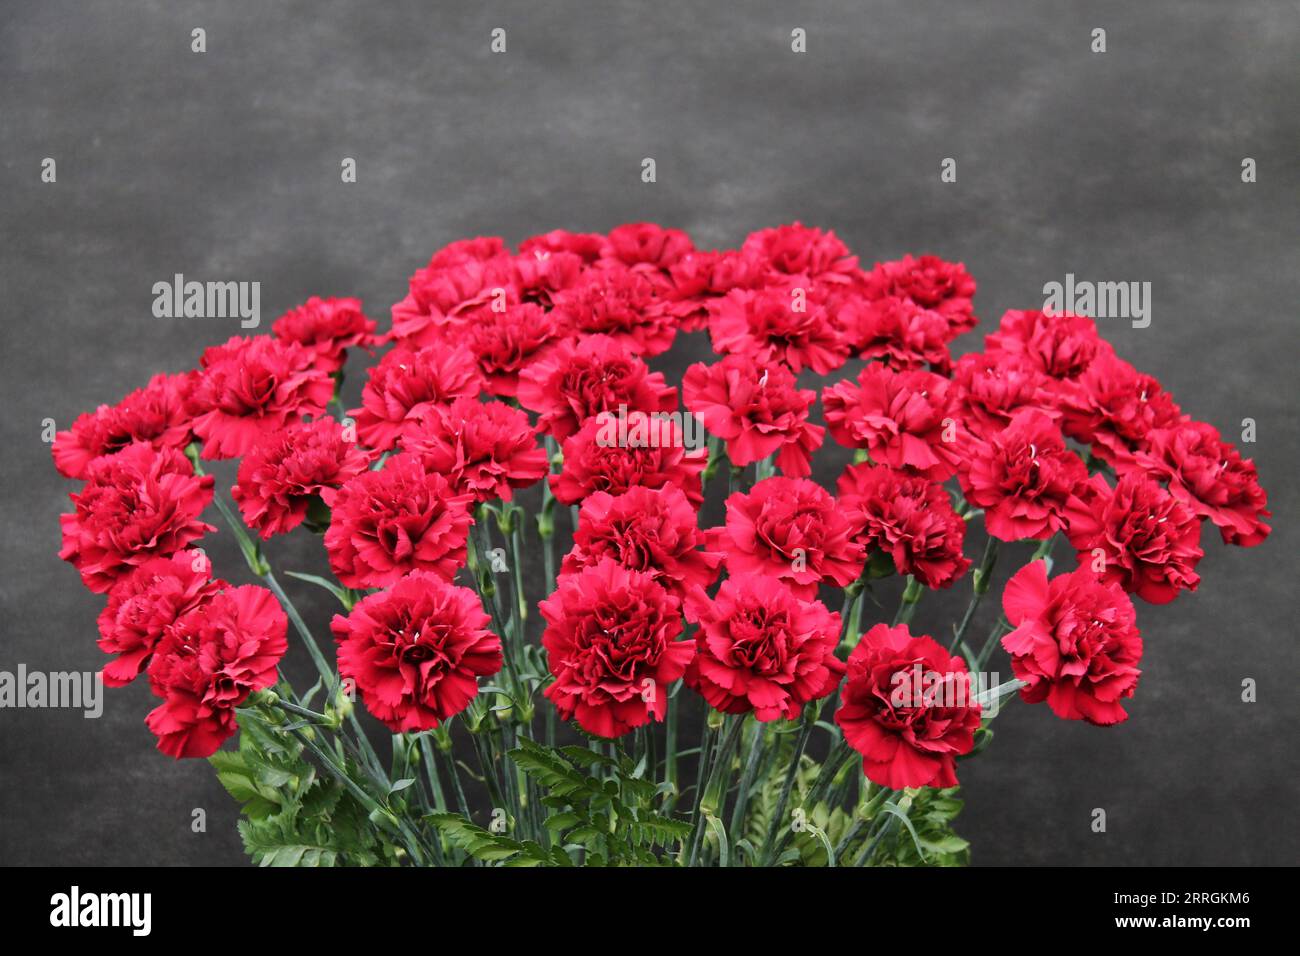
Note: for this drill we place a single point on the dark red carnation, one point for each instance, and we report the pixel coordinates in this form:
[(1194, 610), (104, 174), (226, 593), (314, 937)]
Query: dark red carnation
[(622, 304), (785, 322), (1075, 641), (539, 274), (506, 342), (653, 530), (1059, 345), (416, 651), (930, 282), (136, 505), (328, 327), (156, 414), (249, 388), (613, 645), (592, 464), (757, 410), (406, 386), (1209, 476), (762, 650), (578, 380), (645, 243), (910, 519), (388, 523), (991, 387), (208, 663), (790, 529), (908, 708), (588, 246), (1136, 535), (1113, 407), (799, 250), (286, 470), (698, 278), (145, 603), (898, 331), (458, 279), (484, 449), (902, 419), (1023, 478)]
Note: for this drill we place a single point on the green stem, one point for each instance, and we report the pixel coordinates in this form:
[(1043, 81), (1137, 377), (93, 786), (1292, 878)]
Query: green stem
[(911, 597), (778, 818), (747, 777), (981, 581)]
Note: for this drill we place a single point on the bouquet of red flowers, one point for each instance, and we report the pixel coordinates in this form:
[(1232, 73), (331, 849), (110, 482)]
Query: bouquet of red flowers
[(659, 696)]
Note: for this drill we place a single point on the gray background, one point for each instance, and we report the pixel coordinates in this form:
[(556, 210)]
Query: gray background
[(1119, 166)]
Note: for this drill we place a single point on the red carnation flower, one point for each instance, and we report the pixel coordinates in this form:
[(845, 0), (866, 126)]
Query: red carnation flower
[(653, 530), (909, 519), (458, 279), (286, 470), (1113, 407), (902, 419), (780, 323), (579, 380), (407, 385), (699, 277), (249, 388), (1149, 541), (390, 522), (1023, 478), (793, 530), (136, 505), (930, 282), (612, 644), (208, 663), (592, 464), (908, 708), (1209, 476), (645, 243), (539, 274), (757, 410), (898, 331), (588, 246), (328, 327), (760, 649), (991, 388), (145, 603), (1075, 642), (622, 304), (156, 414), (416, 651), (507, 342), (484, 449), (800, 250), (1062, 346)]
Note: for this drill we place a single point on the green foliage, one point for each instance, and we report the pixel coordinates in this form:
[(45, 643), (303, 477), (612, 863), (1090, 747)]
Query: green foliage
[(292, 816)]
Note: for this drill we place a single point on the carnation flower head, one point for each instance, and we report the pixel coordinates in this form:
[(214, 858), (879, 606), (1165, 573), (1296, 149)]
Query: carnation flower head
[(1074, 640), (251, 387), (483, 449), (144, 603), (406, 386), (613, 644), (416, 651), (156, 414), (593, 464), (791, 530), (621, 303), (286, 471), (388, 523), (458, 279), (208, 663), (596, 374), (930, 282), (1113, 407), (138, 504), (909, 519), (757, 410), (989, 388), (908, 707), (1060, 345), (762, 650), (784, 323), (902, 418), (799, 250), (327, 327)]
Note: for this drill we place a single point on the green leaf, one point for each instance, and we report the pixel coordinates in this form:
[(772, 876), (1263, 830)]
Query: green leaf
[(346, 597)]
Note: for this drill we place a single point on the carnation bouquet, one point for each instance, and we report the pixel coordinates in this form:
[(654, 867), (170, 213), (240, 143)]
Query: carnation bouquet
[(569, 664)]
